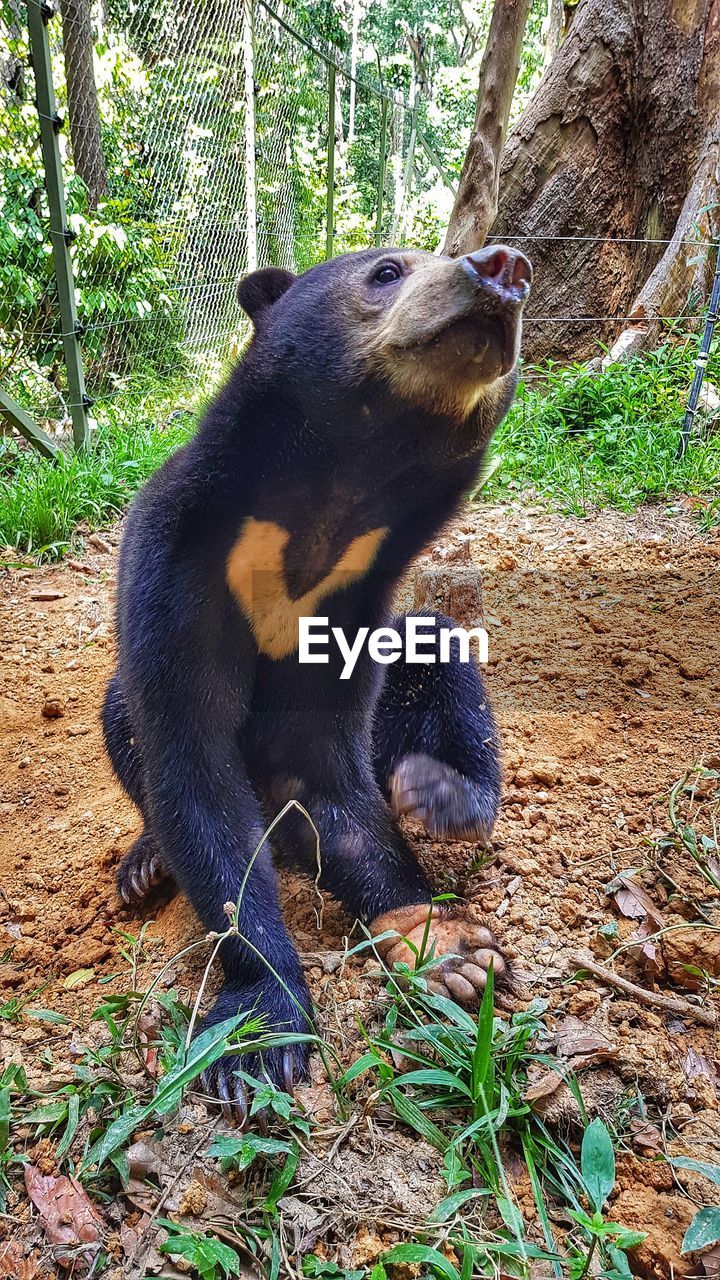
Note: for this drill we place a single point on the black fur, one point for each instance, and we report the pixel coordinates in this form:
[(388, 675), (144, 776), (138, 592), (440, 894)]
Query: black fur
[(209, 737)]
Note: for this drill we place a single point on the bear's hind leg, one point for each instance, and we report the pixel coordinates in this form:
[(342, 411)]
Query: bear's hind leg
[(435, 742), (141, 870), (436, 756)]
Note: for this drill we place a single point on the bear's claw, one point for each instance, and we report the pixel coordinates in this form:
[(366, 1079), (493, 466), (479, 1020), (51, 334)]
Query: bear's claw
[(225, 1086), (140, 871), (468, 948)]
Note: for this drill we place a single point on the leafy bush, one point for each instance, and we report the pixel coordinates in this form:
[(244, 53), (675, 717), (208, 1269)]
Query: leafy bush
[(583, 437)]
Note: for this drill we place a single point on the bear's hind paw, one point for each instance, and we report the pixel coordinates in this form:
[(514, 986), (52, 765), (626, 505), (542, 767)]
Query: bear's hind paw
[(465, 947), (448, 805)]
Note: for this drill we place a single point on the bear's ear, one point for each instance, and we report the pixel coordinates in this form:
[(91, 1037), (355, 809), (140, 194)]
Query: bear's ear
[(262, 288)]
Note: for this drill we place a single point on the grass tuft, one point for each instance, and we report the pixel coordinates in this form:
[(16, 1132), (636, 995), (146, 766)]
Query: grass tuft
[(583, 438), (42, 504)]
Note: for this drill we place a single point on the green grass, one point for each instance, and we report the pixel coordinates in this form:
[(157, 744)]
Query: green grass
[(457, 1080), (42, 504), (582, 438)]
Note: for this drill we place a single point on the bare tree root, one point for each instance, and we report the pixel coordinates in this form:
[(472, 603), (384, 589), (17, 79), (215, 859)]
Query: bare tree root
[(682, 265)]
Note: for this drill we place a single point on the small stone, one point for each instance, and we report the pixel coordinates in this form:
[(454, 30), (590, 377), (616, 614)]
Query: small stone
[(590, 777), (53, 708)]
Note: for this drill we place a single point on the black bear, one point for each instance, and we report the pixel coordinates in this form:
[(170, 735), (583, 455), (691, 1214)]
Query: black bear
[(343, 441)]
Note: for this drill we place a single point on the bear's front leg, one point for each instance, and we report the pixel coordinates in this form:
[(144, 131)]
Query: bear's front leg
[(368, 864), (208, 824)]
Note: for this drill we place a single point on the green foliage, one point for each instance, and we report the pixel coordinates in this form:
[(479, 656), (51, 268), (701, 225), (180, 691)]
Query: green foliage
[(124, 259), (8, 1156), (462, 1086), (704, 1230), (597, 1163), (206, 1254), (694, 802), (41, 505), (585, 437)]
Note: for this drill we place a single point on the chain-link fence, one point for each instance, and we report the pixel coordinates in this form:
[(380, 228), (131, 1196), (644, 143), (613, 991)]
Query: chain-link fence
[(151, 151)]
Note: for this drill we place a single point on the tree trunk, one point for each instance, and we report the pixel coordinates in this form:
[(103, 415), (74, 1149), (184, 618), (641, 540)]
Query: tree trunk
[(85, 134), (353, 68), (553, 28), (477, 198), (607, 176)]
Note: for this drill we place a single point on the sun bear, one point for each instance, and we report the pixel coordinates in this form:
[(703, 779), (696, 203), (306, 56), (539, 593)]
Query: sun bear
[(346, 437)]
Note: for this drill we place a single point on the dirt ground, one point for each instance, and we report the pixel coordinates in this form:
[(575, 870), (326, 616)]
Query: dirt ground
[(605, 674)]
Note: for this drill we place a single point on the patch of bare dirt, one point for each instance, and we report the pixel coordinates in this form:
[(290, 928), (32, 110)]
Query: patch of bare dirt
[(605, 675)]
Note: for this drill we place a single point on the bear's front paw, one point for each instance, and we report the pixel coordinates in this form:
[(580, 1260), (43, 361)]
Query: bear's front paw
[(283, 1066), (468, 948), (442, 799)]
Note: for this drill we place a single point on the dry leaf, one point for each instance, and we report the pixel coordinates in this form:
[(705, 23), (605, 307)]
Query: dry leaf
[(635, 903), (148, 1035), (576, 1038), (47, 594), (69, 1218), (711, 1262), (644, 950), (13, 1263), (144, 1160), (546, 1085), (646, 1137), (694, 1064)]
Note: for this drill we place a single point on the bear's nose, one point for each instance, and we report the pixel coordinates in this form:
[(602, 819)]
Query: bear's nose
[(504, 272)]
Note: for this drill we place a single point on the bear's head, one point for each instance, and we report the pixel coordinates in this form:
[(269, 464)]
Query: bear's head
[(442, 335)]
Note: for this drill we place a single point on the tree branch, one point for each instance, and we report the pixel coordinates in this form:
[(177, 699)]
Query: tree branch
[(477, 198)]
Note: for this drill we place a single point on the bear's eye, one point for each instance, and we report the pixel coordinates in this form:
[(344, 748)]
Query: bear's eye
[(387, 274)]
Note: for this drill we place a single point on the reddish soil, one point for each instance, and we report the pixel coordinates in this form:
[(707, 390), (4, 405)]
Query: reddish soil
[(605, 675)]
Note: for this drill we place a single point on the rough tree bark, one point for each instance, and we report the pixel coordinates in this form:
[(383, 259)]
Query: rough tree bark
[(83, 111), (477, 197), (619, 151)]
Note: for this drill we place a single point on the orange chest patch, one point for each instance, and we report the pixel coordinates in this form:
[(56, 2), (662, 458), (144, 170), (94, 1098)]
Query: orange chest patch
[(255, 574)]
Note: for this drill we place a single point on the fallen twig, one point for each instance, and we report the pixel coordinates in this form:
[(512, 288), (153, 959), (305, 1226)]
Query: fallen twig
[(669, 1004)]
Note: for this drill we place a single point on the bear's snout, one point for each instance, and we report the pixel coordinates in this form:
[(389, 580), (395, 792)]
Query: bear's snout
[(503, 273)]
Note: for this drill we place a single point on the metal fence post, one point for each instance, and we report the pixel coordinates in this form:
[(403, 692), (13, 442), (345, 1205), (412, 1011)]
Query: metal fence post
[(702, 359), (250, 176), (330, 214), (39, 15), (382, 162), (20, 419)]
